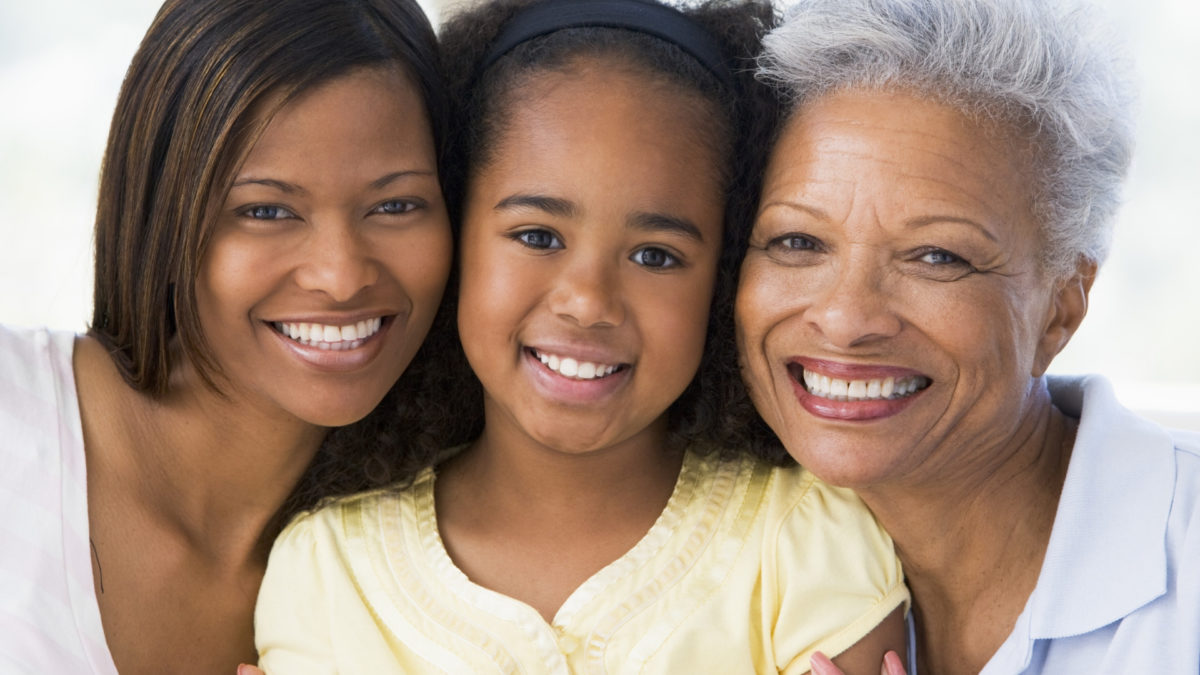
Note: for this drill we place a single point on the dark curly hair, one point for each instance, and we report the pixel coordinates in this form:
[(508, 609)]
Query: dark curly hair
[(438, 402), (714, 403)]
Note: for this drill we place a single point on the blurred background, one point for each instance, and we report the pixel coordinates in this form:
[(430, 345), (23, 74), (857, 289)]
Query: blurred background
[(61, 65)]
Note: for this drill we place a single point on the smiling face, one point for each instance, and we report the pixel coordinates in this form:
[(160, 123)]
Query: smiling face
[(589, 254), (892, 313), (329, 255)]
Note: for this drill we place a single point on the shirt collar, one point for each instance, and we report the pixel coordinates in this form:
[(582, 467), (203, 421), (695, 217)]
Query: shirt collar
[(1107, 550)]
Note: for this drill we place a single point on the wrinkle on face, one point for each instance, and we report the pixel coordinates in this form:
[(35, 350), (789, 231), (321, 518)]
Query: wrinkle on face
[(879, 179)]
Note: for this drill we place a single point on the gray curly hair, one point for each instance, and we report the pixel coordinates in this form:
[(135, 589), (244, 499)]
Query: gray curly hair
[(1038, 66)]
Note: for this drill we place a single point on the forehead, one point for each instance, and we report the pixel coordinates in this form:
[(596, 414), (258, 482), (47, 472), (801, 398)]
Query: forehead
[(365, 105), (596, 133), (903, 150)]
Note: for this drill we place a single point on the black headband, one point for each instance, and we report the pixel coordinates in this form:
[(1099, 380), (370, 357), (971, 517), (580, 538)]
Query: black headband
[(663, 22)]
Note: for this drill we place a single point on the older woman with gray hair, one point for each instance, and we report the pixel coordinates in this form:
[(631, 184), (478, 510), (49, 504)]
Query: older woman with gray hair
[(934, 212)]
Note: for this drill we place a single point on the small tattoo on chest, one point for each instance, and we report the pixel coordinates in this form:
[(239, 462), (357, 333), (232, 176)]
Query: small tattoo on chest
[(99, 571)]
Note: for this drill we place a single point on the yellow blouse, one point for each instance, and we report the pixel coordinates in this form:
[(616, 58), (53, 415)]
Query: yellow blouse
[(749, 569)]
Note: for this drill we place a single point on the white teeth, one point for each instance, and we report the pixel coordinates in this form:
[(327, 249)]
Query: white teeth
[(579, 370), (331, 338), (838, 388), (862, 390)]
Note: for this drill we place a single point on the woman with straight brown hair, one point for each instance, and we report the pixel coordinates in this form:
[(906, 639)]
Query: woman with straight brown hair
[(271, 250)]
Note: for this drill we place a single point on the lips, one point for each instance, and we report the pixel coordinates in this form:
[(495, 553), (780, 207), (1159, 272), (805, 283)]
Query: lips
[(841, 391), (337, 346), (576, 376), (866, 389), (330, 337), (574, 368)]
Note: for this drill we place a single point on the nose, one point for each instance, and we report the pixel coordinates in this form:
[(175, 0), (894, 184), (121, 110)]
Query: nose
[(337, 262), (588, 294), (851, 307)]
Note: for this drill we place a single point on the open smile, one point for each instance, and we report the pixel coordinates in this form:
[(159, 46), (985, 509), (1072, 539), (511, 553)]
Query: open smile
[(843, 389), (576, 369), (852, 392), (328, 337)]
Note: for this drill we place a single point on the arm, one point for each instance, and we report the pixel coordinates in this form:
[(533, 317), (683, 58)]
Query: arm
[(885, 644), (291, 618), (841, 586)]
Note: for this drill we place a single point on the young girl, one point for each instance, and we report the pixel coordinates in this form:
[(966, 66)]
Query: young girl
[(271, 248), (592, 525)]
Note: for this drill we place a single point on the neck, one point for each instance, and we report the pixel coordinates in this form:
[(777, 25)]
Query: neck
[(509, 470), (972, 544), (215, 469)]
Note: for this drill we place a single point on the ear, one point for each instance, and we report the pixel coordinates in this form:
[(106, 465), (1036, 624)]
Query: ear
[(1067, 309)]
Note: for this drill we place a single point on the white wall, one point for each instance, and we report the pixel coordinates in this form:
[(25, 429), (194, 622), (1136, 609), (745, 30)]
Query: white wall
[(61, 65)]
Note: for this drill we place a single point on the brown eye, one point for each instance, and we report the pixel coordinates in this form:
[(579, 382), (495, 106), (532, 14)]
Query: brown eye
[(267, 212), (538, 239), (654, 257), (793, 242), (939, 256), (397, 206)]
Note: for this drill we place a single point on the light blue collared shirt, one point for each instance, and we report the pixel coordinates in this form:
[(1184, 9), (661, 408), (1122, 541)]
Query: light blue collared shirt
[(1119, 589)]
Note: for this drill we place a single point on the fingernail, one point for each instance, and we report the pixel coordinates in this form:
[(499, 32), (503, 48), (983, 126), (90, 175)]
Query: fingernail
[(821, 665), (892, 665)]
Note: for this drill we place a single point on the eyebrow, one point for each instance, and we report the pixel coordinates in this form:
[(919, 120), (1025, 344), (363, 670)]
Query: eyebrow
[(397, 175), (795, 206), (660, 222), (913, 224), (563, 208), (292, 189), (929, 220), (270, 182), (551, 205)]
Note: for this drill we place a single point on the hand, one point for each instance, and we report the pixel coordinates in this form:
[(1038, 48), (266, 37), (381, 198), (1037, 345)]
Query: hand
[(247, 669), (821, 665)]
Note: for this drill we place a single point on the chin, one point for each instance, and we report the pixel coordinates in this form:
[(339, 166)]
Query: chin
[(851, 464), (570, 441), (336, 413)]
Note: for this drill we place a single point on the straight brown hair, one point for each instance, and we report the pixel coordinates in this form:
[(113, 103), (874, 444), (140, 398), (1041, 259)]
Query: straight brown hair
[(187, 114)]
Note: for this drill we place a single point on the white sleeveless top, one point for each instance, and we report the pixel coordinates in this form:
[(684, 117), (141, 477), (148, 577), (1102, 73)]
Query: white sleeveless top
[(49, 618)]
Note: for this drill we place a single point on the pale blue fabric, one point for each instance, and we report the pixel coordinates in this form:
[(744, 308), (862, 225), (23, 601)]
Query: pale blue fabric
[(1119, 590)]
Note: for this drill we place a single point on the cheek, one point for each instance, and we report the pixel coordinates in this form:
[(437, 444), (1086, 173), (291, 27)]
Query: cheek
[(492, 296), (422, 265), (979, 329), (674, 324), (763, 302), (232, 274)]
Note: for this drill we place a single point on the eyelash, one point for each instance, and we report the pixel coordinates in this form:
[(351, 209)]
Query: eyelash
[(280, 212), (782, 243), (954, 260), (525, 238), (255, 212), (408, 206), (792, 248), (671, 260)]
